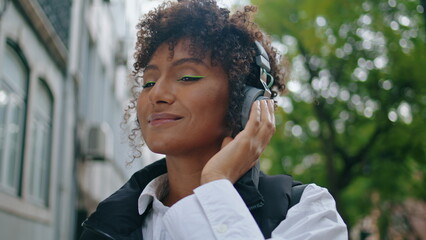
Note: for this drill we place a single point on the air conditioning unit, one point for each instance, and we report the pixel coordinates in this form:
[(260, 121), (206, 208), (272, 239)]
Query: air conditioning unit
[(99, 142)]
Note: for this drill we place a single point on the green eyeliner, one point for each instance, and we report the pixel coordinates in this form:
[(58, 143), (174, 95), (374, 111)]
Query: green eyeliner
[(186, 78), (190, 78), (148, 84), (194, 76)]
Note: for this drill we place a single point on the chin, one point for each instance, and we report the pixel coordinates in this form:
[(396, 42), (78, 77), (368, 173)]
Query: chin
[(156, 148), (161, 147)]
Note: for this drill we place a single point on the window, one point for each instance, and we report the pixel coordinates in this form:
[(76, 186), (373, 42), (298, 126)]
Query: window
[(13, 95), (41, 135), (28, 116)]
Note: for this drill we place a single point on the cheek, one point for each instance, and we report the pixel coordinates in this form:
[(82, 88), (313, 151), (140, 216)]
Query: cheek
[(141, 109), (212, 106), (141, 101)]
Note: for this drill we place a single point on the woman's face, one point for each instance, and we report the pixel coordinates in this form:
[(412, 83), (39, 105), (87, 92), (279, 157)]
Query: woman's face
[(182, 107)]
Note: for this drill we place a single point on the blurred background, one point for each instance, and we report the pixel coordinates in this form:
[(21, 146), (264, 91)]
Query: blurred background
[(352, 119)]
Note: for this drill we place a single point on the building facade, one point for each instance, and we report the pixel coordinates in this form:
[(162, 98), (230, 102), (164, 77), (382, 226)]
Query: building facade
[(63, 73)]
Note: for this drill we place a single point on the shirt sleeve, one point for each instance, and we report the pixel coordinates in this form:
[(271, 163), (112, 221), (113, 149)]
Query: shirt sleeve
[(217, 211), (314, 217)]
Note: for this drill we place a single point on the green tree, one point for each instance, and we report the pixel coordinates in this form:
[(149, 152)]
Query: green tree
[(353, 119)]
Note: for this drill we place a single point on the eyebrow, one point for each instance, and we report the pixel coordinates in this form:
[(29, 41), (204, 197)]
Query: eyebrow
[(189, 60), (178, 62), (150, 67)]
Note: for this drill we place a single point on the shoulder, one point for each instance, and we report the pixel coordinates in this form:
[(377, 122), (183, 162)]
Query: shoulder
[(316, 200), (318, 196), (314, 217)]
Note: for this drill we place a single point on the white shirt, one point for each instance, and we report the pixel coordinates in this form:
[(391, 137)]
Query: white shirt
[(217, 211)]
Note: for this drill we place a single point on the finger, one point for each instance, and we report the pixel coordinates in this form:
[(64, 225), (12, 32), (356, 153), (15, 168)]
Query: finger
[(264, 111), (254, 118), (267, 127), (272, 110)]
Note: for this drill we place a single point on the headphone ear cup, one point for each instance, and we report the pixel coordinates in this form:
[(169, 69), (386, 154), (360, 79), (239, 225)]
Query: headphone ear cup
[(251, 94)]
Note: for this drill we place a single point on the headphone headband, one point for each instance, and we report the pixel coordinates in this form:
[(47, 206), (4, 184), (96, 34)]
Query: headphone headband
[(262, 59)]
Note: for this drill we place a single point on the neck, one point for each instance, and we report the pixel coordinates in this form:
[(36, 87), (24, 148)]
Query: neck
[(184, 173)]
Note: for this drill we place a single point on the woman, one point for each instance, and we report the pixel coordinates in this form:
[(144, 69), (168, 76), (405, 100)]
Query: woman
[(195, 64)]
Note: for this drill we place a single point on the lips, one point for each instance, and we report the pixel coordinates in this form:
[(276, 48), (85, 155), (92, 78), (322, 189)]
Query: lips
[(157, 119)]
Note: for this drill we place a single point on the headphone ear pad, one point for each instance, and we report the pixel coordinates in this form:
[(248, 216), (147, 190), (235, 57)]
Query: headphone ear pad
[(251, 94)]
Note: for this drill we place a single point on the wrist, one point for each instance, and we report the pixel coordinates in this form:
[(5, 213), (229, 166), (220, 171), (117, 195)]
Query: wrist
[(210, 177)]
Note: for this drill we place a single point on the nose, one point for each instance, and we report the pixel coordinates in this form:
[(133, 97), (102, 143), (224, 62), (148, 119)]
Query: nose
[(161, 93)]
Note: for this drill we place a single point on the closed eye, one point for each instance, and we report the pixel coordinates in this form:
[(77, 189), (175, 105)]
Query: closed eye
[(189, 78), (149, 84)]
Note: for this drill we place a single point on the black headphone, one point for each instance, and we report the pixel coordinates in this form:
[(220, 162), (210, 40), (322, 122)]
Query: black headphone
[(252, 93)]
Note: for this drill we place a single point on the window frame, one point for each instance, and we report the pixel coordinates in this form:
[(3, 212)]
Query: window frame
[(34, 125), (23, 204), (16, 190)]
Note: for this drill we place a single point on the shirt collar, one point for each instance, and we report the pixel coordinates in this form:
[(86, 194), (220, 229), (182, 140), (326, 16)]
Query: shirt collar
[(156, 189), (247, 187)]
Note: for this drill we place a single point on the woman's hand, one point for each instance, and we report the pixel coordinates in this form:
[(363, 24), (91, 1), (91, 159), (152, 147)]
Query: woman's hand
[(240, 154)]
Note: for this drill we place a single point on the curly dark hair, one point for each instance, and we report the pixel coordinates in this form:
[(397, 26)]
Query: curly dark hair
[(209, 28)]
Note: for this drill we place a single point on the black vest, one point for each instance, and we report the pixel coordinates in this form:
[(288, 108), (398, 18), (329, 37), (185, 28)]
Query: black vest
[(267, 197)]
